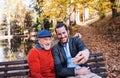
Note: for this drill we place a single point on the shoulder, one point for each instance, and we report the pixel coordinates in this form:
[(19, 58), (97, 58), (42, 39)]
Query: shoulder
[(74, 39), (33, 51), (55, 46)]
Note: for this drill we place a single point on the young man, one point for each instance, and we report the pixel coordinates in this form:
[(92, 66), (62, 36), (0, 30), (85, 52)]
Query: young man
[(65, 51), (40, 58)]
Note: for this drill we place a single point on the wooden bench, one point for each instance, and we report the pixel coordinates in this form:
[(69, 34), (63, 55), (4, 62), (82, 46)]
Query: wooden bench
[(14, 68), (97, 63), (19, 69)]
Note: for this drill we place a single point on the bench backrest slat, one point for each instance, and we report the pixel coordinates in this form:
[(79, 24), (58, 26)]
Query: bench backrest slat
[(14, 68), (13, 62)]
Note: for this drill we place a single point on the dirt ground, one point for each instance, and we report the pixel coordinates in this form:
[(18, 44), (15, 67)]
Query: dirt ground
[(104, 36)]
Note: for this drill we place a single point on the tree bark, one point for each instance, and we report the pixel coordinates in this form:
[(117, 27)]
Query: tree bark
[(113, 8)]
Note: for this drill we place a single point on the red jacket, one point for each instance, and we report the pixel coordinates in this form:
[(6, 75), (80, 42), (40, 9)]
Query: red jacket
[(40, 63)]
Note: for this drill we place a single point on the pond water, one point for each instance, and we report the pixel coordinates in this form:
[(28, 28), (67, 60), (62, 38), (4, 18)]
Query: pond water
[(18, 49), (2, 58)]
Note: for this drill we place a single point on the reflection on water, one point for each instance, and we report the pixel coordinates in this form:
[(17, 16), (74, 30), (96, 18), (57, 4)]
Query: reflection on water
[(2, 58), (16, 47), (18, 50)]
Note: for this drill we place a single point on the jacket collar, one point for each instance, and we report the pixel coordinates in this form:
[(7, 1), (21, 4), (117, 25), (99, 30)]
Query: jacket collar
[(61, 44), (38, 46)]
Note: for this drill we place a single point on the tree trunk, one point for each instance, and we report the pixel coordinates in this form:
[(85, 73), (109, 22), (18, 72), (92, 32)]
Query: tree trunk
[(86, 13), (77, 17), (119, 3), (114, 12), (113, 7), (73, 18)]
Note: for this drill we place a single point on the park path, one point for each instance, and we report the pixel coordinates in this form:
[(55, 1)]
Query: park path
[(98, 42), (93, 40)]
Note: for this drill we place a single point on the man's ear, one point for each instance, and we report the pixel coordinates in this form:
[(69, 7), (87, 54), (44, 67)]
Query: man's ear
[(39, 40), (68, 31)]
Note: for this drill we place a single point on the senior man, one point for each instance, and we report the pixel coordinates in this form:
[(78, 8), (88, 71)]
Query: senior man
[(40, 58)]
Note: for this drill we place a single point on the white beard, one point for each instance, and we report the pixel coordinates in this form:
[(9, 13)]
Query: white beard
[(46, 47)]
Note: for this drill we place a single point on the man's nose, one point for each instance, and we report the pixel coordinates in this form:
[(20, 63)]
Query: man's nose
[(62, 35)]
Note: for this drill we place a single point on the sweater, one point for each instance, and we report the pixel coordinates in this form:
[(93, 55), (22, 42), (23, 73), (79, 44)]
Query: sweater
[(40, 63)]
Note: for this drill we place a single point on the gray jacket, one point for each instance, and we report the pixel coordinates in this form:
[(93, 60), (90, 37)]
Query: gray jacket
[(75, 45)]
